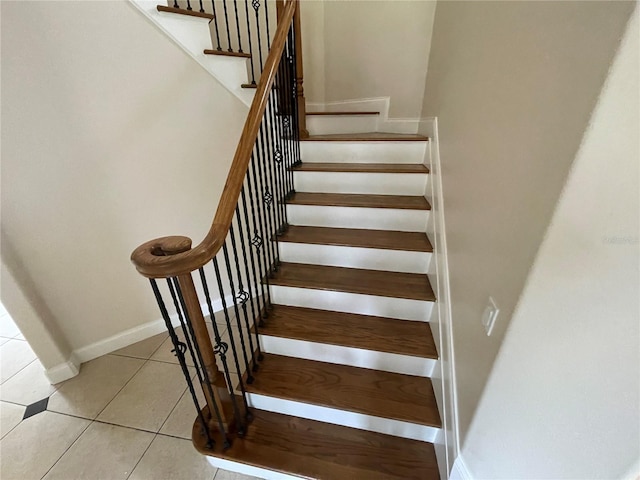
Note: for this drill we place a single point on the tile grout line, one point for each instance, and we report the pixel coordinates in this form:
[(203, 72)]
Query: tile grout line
[(143, 454), (6, 380), (67, 449), (122, 388), (92, 421)]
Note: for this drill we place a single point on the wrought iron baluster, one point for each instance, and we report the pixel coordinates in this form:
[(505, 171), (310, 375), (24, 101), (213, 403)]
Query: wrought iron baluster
[(235, 295), (183, 365), (257, 280), (262, 212), (287, 121), (189, 5), (257, 241), (221, 349), (294, 94), (282, 113), (266, 20), (250, 279), (256, 6), (226, 21), (253, 73), (235, 8), (276, 164), (201, 7), (243, 296), (232, 341), (215, 24), (269, 167), (268, 197)]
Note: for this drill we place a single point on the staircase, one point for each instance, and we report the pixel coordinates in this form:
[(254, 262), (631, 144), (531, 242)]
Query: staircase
[(337, 384), (347, 343)]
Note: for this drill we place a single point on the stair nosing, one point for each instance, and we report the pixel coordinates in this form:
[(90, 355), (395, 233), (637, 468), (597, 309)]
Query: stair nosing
[(427, 296), (264, 331), (252, 389), (295, 200), (335, 167), (366, 232)]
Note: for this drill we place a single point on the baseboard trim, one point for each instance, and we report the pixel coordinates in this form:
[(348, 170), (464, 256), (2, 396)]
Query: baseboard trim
[(135, 334), (63, 371), (376, 104), (460, 470), (444, 380)]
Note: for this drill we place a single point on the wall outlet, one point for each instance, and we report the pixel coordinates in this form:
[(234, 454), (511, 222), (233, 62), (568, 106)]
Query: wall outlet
[(490, 315)]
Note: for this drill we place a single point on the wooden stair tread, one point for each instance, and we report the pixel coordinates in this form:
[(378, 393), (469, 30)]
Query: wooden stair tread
[(366, 137), (312, 449), (361, 167), (390, 335), (249, 85), (381, 394), (184, 11), (412, 286), (225, 53), (342, 113), (403, 202), (355, 237)]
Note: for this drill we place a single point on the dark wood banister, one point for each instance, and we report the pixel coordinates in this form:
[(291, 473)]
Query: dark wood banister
[(173, 256)]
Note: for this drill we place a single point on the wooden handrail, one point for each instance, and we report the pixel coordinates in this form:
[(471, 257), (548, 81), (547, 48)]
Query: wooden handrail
[(173, 256)]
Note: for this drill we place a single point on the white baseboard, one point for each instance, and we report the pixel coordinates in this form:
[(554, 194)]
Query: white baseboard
[(460, 470), (444, 378), (136, 334), (377, 104), (63, 371)]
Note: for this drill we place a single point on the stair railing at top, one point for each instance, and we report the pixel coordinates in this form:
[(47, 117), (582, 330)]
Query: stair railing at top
[(237, 255)]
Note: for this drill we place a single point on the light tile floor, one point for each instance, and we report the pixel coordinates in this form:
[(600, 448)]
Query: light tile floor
[(127, 415)]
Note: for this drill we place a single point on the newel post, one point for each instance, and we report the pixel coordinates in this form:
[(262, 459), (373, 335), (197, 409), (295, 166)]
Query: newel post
[(302, 108), (222, 399)]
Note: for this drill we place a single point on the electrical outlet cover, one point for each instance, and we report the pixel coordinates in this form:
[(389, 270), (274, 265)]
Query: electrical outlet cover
[(490, 315)]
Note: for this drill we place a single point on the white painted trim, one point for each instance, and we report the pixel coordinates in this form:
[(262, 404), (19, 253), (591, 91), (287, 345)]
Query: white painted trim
[(137, 334), (355, 257), (402, 308), (358, 217), (63, 371), (379, 104), (345, 418), (445, 376), (363, 152), (460, 470), (341, 355), (250, 470), (361, 182)]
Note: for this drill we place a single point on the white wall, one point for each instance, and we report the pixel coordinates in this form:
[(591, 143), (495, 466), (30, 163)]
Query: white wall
[(111, 136), (370, 49), (513, 85), (563, 400), (312, 26)]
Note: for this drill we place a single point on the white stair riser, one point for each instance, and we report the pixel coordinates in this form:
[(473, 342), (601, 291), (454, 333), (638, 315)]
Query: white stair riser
[(356, 217), (250, 470), (372, 183), (402, 308), (342, 417), (328, 124), (341, 355), (355, 257), (363, 152)]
